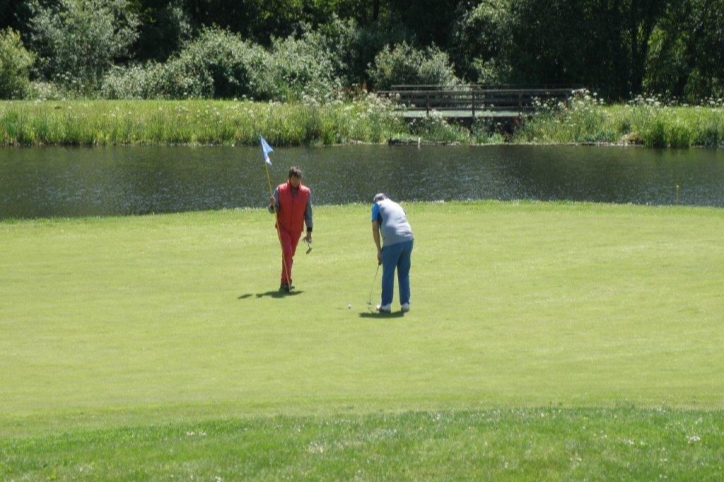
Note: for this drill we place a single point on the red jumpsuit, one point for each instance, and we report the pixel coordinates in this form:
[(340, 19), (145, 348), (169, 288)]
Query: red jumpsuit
[(290, 222)]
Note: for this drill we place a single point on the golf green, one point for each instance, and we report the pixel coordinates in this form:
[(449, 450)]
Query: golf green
[(139, 319)]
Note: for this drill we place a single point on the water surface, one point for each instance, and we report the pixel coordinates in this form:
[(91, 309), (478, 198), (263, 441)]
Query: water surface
[(54, 181)]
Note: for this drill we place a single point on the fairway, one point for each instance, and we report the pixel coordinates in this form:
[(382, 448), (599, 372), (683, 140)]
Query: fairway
[(159, 347), (514, 305)]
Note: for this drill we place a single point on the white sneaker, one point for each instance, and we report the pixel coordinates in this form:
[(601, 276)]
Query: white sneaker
[(384, 308), (405, 308)]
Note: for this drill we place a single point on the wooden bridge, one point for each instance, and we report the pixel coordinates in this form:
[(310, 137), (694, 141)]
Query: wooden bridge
[(473, 101)]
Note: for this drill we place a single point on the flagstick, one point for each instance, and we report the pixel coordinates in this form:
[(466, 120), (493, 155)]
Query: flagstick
[(276, 225)]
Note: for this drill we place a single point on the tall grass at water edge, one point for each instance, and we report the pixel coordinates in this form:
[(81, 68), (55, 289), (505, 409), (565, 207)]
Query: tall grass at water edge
[(649, 122), (90, 123), (646, 122)]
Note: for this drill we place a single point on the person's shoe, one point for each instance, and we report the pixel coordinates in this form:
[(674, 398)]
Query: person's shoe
[(384, 308), (405, 307), (286, 287)]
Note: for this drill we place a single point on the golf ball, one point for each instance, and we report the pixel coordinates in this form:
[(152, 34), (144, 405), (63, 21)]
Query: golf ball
[(349, 307)]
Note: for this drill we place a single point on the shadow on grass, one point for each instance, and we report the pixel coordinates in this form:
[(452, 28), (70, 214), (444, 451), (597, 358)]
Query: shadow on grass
[(369, 314), (271, 294)]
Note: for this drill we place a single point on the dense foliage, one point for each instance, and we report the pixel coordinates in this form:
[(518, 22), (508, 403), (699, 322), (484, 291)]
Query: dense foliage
[(286, 49), (15, 62)]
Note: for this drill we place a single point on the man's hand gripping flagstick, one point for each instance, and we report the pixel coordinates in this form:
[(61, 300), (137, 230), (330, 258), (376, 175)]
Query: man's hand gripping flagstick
[(265, 150)]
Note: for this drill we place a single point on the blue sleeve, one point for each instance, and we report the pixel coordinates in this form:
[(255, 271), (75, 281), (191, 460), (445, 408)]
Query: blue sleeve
[(274, 208), (375, 212)]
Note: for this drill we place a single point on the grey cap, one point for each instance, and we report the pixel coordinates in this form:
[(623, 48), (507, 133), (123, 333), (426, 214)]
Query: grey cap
[(380, 197)]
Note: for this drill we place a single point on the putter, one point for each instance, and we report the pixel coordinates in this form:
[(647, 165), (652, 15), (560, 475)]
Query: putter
[(374, 280)]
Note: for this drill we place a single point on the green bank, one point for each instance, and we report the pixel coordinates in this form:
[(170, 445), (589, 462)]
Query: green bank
[(367, 119), (549, 331)]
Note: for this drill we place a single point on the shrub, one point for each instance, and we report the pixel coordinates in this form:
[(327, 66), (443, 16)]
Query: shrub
[(78, 41), (352, 48), (156, 81), (15, 62), (297, 67), (230, 63), (404, 64), (437, 129), (128, 83), (40, 90), (219, 64)]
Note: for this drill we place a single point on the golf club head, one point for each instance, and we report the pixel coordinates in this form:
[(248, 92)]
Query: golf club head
[(309, 246)]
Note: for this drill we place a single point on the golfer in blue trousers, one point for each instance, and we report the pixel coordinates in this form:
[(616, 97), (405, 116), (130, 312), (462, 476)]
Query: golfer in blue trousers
[(394, 240)]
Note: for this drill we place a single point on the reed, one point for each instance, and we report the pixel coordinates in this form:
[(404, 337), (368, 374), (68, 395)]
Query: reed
[(104, 122), (367, 119), (648, 122)]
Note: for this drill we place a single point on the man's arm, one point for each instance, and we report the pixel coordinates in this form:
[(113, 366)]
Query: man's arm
[(309, 219), (376, 237)]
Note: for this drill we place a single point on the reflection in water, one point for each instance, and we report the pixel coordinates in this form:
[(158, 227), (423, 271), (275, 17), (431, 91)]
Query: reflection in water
[(43, 182)]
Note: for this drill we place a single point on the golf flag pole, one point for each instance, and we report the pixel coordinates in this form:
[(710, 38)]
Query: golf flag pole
[(265, 150)]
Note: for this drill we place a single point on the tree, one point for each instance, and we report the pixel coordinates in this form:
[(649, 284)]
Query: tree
[(256, 20), (601, 44), (641, 17), (15, 62), (78, 41), (164, 27), (687, 52), (14, 14), (480, 40), (550, 42), (431, 20)]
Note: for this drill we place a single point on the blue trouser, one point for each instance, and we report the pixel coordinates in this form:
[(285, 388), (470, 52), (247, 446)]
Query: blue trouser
[(396, 256)]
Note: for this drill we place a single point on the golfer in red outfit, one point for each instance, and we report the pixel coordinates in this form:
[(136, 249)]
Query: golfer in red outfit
[(292, 203)]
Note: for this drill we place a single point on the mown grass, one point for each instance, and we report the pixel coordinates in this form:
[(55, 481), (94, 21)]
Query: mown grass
[(546, 341), (367, 120)]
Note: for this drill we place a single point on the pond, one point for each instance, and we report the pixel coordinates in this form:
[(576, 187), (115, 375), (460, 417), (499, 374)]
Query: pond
[(68, 182)]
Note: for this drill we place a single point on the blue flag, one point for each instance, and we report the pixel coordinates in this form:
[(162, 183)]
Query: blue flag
[(265, 150)]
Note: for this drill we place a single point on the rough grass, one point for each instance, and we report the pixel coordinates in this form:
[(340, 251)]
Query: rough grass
[(368, 120), (488, 444), (646, 122), (194, 122), (546, 341)]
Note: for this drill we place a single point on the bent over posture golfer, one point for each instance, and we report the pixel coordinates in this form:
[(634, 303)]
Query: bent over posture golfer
[(292, 203), (390, 222)]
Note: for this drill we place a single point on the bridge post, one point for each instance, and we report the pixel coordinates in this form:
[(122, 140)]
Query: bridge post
[(472, 91)]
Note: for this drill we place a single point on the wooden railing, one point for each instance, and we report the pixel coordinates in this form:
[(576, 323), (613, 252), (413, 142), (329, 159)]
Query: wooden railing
[(473, 99)]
